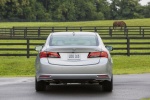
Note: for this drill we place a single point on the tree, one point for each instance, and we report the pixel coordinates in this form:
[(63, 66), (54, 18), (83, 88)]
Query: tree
[(114, 9), (146, 10), (125, 9), (129, 9), (65, 11), (71, 10), (103, 9), (2, 8), (85, 9)]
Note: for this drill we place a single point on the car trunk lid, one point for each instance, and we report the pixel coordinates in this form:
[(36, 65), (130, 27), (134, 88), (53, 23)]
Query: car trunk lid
[(76, 56)]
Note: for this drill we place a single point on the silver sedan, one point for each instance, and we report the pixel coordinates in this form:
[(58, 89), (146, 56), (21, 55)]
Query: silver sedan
[(74, 57)]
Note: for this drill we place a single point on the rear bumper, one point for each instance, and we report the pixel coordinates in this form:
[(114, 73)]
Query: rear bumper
[(74, 77), (98, 72)]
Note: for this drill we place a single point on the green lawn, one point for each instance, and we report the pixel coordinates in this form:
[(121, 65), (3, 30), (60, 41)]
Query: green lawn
[(146, 99), (16, 66), (21, 66), (130, 22)]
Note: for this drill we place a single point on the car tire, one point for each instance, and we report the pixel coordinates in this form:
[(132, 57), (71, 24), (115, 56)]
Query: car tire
[(40, 85), (107, 86)]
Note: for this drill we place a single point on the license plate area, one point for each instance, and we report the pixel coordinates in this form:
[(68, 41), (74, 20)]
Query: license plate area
[(74, 56)]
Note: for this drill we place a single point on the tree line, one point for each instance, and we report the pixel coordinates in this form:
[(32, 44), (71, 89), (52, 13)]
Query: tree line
[(71, 10)]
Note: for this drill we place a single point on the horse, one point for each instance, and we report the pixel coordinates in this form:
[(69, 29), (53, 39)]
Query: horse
[(119, 24)]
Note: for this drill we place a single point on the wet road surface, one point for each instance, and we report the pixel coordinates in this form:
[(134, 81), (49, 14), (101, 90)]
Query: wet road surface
[(126, 87)]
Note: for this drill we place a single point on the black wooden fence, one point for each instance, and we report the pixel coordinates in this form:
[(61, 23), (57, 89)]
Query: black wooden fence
[(104, 31), (122, 46)]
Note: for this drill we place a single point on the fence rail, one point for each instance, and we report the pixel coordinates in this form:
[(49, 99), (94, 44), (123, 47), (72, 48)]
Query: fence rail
[(122, 46), (104, 31)]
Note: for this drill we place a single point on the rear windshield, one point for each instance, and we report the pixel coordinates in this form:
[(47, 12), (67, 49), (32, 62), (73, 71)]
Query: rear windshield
[(73, 40)]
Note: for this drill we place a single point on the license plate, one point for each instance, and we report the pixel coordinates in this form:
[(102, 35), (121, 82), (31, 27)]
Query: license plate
[(73, 56)]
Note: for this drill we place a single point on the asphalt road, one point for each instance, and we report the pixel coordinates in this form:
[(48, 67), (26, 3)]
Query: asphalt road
[(126, 87)]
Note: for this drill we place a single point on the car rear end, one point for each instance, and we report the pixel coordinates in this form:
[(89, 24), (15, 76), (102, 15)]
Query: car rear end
[(74, 57)]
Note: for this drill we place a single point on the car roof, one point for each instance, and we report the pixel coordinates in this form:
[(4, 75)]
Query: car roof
[(76, 33)]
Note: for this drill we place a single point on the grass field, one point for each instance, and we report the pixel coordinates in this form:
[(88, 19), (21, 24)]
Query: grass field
[(21, 66), (132, 22), (146, 99)]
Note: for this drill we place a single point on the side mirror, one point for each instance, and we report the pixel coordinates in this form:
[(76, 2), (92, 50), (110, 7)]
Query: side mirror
[(109, 48), (38, 48)]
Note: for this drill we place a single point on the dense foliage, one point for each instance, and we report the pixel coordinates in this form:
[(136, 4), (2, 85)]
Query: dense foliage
[(71, 10)]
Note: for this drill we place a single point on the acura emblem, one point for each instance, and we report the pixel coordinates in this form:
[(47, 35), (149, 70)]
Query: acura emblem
[(73, 50)]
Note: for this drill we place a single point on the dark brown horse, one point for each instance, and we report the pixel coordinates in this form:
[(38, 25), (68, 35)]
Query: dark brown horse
[(119, 24)]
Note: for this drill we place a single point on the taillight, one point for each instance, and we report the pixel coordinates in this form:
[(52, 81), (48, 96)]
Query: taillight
[(98, 54), (49, 54), (43, 54), (104, 54)]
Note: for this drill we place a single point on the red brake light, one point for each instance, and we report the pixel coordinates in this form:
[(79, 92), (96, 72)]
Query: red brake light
[(98, 54), (49, 54), (43, 54), (104, 54), (53, 55), (94, 54)]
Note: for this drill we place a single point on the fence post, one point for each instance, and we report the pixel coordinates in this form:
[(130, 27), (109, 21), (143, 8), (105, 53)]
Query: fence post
[(80, 28), (39, 32), (109, 27), (110, 32), (95, 29), (52, 29), (128, 46), (126, 30), (24, 33), (28, 48), (66, 29), (143, 32), (13, 31), (140, 29)]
